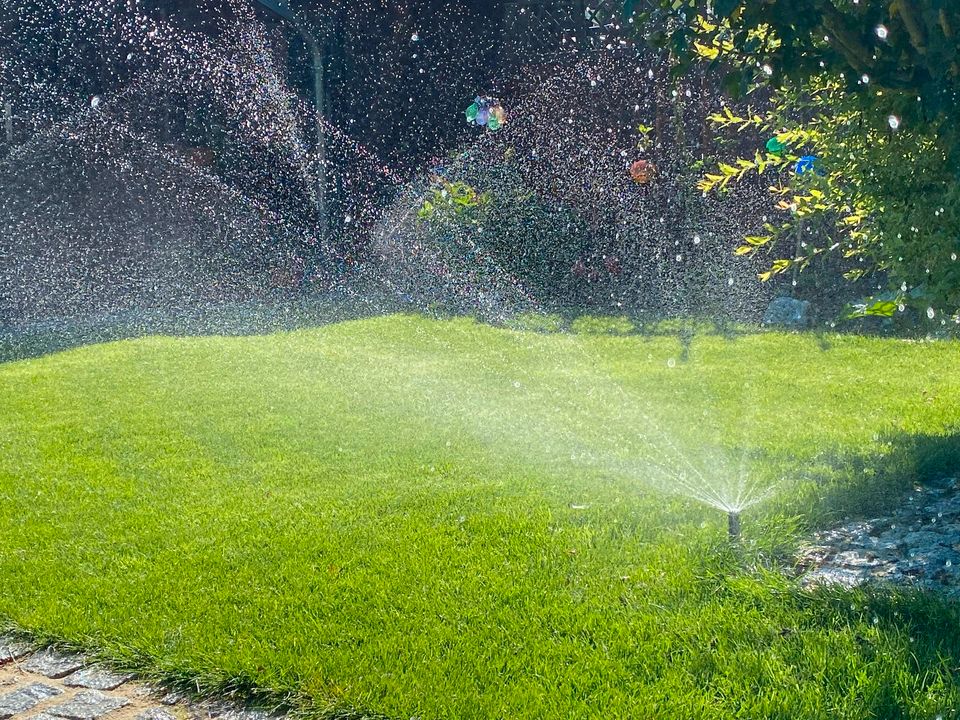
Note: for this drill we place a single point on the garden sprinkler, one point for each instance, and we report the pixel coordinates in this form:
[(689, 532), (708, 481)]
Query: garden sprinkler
[(733, 525)]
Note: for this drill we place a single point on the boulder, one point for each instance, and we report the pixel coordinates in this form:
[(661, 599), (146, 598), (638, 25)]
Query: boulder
[(788, 312)]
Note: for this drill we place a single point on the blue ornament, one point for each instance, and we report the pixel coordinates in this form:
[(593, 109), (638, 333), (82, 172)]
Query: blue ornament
[(808, 162)]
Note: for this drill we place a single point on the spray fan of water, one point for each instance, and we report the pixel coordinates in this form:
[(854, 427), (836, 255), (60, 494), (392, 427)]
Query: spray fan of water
[(103, 208)]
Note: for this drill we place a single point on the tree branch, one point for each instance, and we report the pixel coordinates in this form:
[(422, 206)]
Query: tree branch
[(908, 13), (945, 24), (853, 50)]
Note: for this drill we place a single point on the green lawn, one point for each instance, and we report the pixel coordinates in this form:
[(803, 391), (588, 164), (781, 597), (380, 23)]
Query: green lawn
[(442, 519)]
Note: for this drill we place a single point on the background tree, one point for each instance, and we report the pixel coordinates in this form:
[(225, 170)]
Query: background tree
[(870, 89)]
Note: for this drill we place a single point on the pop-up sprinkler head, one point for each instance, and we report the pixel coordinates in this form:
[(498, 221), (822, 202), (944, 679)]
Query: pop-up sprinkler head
[(733, 524)]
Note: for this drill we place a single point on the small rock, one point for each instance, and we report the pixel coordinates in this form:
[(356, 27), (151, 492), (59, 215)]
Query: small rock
[(25, 698), (53, 664), (921, 539), (88, 705), (847, 577), (97, 678), (814, 555), (853, 559), (156, 713), (889, 543), (945, 576)]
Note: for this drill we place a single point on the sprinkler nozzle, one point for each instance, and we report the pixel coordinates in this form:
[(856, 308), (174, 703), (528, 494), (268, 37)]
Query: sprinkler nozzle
[(733, 525)]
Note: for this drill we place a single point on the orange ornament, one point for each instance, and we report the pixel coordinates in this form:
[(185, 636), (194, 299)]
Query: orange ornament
[(643, 171)]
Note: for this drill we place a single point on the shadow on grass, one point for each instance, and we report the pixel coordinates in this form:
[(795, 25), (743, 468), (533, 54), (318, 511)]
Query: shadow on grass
[(867, 485), (294, 311), (930, 621), (278, 313)]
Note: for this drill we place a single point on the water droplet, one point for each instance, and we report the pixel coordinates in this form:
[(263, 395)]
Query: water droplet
[(671, 363), (767, 70), (931, 313), (894, 122), (881, 31)]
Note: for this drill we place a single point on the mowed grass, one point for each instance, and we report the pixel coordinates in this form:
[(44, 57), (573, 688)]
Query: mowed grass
[(440, 519)]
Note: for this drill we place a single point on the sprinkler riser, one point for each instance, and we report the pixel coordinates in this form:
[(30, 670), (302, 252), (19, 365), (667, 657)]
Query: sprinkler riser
[(733, 525)]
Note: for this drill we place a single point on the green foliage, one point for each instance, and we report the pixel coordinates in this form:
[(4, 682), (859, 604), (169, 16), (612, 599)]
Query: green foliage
[(869, 88), (886, 200), (907, 48), (485, 208), (456, 200)]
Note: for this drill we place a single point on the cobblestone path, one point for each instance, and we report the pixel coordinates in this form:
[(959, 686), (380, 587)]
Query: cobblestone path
[(50, 685)]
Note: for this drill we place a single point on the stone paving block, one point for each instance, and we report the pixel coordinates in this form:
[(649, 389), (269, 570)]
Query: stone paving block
[(88, 705), (173, 698), (11, 648), (97, 677), (142, 691), (156, 713), (224, 711), (25, 698), (53, 663), (245, 715)]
